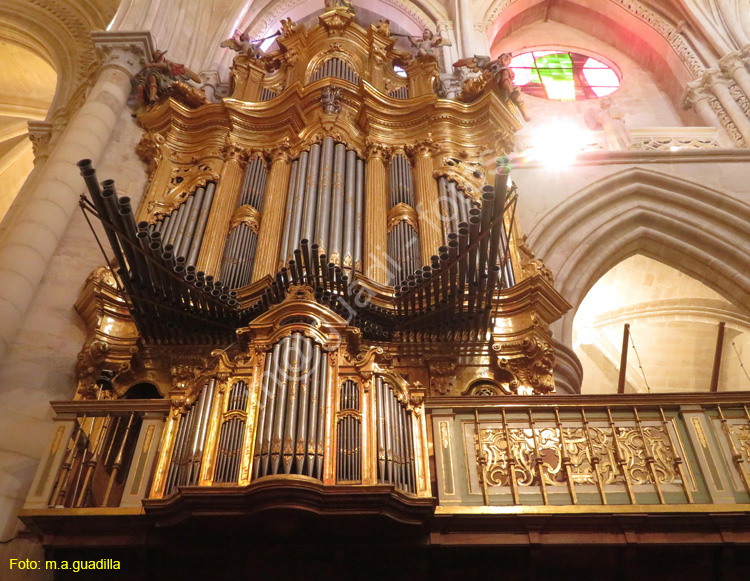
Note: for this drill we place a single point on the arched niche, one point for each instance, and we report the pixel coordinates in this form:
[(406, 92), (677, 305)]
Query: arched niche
[(673, 323), (27, 88)]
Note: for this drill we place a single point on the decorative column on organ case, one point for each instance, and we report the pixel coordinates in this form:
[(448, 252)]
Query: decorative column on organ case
[(426, 198), (225, 202), (376, 217), (269, 239)]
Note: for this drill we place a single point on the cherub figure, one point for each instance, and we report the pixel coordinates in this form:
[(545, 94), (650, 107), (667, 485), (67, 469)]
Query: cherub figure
[(241, 43), (428, 43), (499, 71)]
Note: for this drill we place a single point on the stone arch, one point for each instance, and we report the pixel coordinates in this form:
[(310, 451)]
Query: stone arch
[(646, 36), (61, 36), (696, 230)]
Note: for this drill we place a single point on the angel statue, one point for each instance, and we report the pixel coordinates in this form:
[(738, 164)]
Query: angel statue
[(339, 4), (499, 71), (162, 78), (428, 43), (610, 120), (241, 43)]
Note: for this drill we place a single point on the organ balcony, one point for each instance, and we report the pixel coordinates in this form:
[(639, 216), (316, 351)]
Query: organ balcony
[(324, 311)]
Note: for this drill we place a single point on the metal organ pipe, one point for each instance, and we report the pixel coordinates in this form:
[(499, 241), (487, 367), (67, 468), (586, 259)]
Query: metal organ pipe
[(232, 435), (395, 443), (187, 454), (349, 434), (335, 67), (323, 202), (185, 226), (242, 240), (291, 415)]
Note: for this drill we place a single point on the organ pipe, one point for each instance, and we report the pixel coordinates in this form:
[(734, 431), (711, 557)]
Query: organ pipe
[(292, 410), (186, 224), (335, 67), (232, 435), (187, 454), (395, 444), (349, 434), (326, 191), (242, 240)]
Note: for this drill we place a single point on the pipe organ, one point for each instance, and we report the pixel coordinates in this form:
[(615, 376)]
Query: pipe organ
[(313, 257), (321, 326)]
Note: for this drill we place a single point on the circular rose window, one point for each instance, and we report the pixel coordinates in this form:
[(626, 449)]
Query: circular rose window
[(564, 76)]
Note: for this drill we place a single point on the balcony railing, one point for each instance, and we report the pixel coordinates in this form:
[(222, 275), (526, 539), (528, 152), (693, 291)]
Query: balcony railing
[(618, 453), (102, 454)]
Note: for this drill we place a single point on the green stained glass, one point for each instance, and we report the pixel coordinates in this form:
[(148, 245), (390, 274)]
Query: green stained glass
[(558, 67)]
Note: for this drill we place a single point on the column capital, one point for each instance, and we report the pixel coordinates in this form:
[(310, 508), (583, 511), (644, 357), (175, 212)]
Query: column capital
[(731, 62), (281, 152), (40, 134), (482, 26), (696, 91), (425, 147), (374, 150), (127, 51)]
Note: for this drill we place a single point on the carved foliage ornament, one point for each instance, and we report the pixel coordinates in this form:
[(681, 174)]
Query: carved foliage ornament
[(184, 180), (442, 375), (532, 363)]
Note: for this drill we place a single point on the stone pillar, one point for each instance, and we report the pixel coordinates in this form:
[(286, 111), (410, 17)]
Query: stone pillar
[(721, 90), (481, 43), (426, 200), (31, 240), (450, 53), (465, 26), (733, 66), (225, 202), (376, 214), (568, 371), (698, 98), (272, 219)]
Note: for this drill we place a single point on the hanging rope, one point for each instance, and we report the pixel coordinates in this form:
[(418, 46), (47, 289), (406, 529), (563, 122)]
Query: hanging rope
[(740, 361), (643, 373)]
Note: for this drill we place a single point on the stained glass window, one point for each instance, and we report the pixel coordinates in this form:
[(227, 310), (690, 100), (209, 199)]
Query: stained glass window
[(564, 76)]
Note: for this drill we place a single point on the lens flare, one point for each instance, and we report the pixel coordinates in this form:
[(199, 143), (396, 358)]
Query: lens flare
[(557, 143)]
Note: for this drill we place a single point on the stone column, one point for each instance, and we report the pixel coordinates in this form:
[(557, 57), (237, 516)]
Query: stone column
[(465, 20), (733, 66), (272, 219), (225, 202), (376, 212), (481, 43), (721, 90), (450, 53), (426, 200), (698, 98), (31, 240)]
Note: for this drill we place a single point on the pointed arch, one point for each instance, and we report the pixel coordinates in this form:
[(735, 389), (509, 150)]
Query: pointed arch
[(696, 230)]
